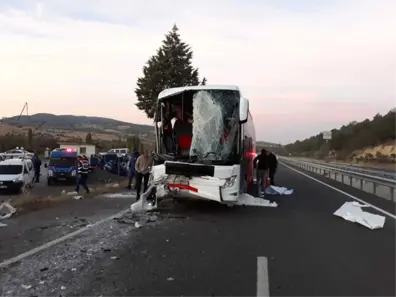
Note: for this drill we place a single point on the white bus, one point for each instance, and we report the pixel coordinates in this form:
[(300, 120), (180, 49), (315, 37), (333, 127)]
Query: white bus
[(205, 144)]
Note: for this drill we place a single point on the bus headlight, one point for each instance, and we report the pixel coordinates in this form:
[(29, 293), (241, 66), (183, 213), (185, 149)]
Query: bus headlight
[(73, 173), (230, 181), (50, 173)]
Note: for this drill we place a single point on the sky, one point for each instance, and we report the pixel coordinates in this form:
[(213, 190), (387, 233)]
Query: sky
[(306, 66)]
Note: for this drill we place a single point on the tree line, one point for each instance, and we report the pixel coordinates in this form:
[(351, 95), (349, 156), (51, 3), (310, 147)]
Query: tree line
[(349, 138), (39, 143)]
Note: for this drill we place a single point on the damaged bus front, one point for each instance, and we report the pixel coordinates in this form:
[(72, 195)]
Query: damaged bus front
[(205, 143)]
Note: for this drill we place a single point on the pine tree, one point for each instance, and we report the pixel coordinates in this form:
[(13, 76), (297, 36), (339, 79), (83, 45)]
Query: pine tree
[(170, 67)]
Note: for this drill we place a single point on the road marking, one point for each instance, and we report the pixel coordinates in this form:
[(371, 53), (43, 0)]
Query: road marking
[(262, 277), (342, 192), (49, 244)]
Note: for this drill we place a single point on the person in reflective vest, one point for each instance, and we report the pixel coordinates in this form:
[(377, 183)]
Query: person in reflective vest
[(82, 174)]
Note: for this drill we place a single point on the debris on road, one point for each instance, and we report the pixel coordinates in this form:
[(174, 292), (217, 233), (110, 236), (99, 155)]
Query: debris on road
[(116, 185), (249, 200), (352, 211), (77, 197), (120, 195), (6, 210), (147, 201), (26, 287), (274, 190), (3, 225), (137, 219)]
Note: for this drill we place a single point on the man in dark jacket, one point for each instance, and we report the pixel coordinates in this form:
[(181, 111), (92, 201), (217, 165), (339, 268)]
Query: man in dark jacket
[(261, 165), (36, 166), (131, 169), (272, 166), (267, 165)]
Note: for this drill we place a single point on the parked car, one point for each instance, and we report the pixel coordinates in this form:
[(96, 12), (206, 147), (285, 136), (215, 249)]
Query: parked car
[(16, 175)]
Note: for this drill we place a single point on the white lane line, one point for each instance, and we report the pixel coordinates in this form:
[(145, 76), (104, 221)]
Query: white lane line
[(47, 245), (342, 192), (262, 277)]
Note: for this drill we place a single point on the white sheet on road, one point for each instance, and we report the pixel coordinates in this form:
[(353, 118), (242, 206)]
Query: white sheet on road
[(120, 195), (274, 190), (352, 211), (249, 200), (6, 210)]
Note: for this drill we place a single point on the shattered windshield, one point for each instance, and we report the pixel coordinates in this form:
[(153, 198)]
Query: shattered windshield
[(215, 125)]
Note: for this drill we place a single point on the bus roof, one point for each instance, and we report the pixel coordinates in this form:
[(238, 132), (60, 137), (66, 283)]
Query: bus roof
[(175, 91)]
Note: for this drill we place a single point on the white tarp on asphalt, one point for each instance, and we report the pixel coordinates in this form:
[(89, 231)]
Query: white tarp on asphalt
[(352, 211), (120, 195), (274, 190), (6, 210), (249, 200)]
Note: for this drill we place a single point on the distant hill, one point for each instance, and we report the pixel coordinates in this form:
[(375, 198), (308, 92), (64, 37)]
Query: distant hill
[(355, 141), (66, 126), (272, 147), (264, 144)]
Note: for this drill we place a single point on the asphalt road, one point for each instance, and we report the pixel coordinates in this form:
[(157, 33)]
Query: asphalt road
[(203, 249)]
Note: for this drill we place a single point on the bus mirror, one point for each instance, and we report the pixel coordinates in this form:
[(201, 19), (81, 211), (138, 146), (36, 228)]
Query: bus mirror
[(159, 124), (243, 110)]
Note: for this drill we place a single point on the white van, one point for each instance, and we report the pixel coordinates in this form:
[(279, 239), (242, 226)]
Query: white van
[(16, 175), (123, 151)]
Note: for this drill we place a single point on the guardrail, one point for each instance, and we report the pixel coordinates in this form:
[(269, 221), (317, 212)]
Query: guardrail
[(382, 187), (355, 168)]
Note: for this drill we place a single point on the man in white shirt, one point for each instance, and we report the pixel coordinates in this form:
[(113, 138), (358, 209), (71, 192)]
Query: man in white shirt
[(142, 168)]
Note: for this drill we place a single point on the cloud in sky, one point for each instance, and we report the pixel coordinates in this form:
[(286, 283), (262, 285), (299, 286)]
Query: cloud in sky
[(306, 66)]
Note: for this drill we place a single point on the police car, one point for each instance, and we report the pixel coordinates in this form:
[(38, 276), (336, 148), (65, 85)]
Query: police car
[(16, 175)]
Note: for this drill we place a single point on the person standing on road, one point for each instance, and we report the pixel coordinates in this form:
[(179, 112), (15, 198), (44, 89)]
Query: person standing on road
[(131, 167), (272, 166), (36, 166), (262, 169), (86, 161), (82, 174), (142, 168)]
